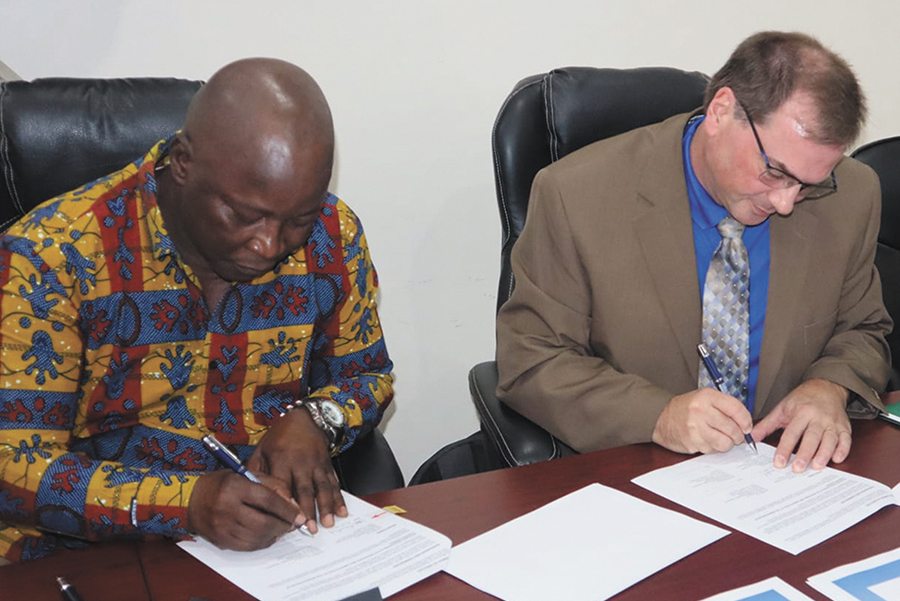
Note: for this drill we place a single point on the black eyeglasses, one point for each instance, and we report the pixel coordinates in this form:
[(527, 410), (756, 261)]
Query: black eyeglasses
[(779, 178)]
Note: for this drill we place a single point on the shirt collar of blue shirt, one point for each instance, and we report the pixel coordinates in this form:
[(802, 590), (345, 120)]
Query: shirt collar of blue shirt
[(705, 211)]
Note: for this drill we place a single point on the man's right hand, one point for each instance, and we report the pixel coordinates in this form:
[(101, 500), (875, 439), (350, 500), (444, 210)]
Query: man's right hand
[(232, 512), (702, 421)]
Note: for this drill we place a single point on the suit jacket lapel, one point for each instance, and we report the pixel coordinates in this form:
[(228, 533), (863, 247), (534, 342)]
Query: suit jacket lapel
[(662, 218), (791, 254)]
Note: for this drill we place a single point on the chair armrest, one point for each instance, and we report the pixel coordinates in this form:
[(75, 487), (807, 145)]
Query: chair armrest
[(518, 440), (894, 381), (369, 466)]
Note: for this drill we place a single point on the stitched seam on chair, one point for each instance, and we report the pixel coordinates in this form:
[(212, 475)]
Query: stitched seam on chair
[(3, 142), (512, 280), (8, 171), (497, 170), (510, 457), (551, 119)]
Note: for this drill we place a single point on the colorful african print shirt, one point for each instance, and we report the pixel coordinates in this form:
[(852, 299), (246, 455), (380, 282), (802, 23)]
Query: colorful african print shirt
[(112, 367)]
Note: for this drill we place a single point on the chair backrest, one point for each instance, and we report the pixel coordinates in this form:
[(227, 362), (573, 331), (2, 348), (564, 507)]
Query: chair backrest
[(57, 134), (548, 116), (884, 157)]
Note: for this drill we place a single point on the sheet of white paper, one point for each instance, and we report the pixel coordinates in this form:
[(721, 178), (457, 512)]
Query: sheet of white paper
[(587, 545), (370, 548), (772, 589), (790, 511), (878, 575)]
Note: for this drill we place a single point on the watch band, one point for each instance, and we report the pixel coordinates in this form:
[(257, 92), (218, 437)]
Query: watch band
[(313, 406)]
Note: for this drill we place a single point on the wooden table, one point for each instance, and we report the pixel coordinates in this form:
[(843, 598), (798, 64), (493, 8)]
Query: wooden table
[(465, 507)]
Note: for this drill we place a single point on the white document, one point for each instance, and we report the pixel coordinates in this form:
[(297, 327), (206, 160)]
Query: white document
[(790, 511), (875, 578), (587, 545), (771, 589), (370, 548)]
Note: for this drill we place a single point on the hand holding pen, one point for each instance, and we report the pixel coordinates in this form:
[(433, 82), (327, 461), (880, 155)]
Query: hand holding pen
[(718, 381), (224, 455), (235, 513)]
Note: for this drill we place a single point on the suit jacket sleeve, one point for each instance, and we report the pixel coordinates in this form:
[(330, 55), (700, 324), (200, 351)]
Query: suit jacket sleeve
[(857, 356), (549, 370)]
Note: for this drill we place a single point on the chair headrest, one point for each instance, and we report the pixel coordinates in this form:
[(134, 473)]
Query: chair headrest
[(57, 134), (549, 116), (884, 157)]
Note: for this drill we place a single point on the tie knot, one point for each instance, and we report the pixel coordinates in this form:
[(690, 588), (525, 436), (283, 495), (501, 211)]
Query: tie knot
[(730, 228)]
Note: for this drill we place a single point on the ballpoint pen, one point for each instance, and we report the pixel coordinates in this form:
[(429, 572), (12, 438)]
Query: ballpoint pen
[(68, 591), (718, 380), (227, 458), (224, 455)]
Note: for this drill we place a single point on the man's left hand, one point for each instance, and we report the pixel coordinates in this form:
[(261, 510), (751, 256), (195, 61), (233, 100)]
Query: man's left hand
[(815, 414), (296, 451)]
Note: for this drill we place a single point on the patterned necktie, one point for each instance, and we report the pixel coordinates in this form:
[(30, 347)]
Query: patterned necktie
[(726, 311)]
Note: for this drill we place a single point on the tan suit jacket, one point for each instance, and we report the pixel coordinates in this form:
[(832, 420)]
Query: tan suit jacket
[(602, 328)]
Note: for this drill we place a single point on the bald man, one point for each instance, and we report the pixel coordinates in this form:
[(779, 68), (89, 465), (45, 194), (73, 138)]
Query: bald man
[(213, 286)]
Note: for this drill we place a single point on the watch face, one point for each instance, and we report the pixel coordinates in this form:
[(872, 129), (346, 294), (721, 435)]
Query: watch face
[(332, 414)]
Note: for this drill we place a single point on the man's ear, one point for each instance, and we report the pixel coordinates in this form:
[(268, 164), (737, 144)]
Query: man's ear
[(721, 109), (180, 154)]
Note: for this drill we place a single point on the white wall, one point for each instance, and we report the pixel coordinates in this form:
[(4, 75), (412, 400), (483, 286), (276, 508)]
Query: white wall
[(414, 87)]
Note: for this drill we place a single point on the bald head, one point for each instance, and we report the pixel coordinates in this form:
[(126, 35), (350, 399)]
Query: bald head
[(252, 99), (249, 171)]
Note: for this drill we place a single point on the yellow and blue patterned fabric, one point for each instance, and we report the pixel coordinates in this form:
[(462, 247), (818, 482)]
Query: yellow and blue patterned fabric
[(112, 366)]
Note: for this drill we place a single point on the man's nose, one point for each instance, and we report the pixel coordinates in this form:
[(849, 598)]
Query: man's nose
[(784, 199), (267, 241)]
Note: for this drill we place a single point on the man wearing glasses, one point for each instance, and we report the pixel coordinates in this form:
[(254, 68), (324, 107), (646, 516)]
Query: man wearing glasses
[(743, 228)]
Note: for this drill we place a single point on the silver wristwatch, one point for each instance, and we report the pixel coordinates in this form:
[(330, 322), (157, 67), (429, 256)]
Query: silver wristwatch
[(328, 416)]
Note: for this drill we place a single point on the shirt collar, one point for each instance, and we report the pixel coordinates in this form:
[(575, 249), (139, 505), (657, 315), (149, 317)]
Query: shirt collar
[(705, 211), (156, 160)]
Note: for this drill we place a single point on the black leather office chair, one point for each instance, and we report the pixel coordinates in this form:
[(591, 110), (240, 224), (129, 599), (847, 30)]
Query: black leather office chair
[(57, 134), (884, 157), (544, 118)]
